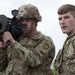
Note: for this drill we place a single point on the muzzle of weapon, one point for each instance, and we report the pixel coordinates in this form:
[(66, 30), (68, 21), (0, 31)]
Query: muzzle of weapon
[(3, 23)]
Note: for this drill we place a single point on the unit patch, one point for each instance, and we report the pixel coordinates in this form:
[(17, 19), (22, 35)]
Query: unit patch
[(45, 46)]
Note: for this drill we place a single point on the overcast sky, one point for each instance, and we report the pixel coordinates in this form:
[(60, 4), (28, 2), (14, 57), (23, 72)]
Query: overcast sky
[(48, 10)]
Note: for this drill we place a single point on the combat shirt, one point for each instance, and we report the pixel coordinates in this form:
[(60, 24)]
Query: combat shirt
[(31, 56), (65, 60)]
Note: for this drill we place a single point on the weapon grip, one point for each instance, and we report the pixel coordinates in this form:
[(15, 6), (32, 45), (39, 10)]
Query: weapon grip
[(8, 43)]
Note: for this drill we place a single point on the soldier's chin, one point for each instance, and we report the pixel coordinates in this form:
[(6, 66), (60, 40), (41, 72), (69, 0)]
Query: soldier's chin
[(25, 32), (65, 32)]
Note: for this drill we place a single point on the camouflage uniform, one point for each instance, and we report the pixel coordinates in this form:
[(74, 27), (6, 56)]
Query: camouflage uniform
[(28, 56), (31, 56), (65, 60)]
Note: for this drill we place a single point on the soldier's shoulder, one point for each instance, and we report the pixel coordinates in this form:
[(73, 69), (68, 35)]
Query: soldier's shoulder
[(49, 40)]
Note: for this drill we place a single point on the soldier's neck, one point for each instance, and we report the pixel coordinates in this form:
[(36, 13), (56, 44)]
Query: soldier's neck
[(32, 33)]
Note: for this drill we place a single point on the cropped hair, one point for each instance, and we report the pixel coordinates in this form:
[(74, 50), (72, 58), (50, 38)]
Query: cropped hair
[(66, 8)]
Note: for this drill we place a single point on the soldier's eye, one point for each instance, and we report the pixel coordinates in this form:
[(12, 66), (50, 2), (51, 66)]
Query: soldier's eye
[(66, 17), (60, 18)]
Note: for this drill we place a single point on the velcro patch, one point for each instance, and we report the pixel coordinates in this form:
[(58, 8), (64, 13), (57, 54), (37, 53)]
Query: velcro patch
[(45, 46)]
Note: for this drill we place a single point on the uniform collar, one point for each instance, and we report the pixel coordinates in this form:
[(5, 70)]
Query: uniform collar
[(37, 36), (71, 36)]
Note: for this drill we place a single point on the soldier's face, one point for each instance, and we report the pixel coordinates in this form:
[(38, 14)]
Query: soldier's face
[(29, 26), (67, 23)]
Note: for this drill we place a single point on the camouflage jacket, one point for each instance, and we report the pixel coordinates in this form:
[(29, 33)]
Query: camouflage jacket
[(65, 60), (31, 56)]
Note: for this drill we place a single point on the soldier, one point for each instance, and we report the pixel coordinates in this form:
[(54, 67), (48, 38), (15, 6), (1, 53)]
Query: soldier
[(65, 60), (33, 53)]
